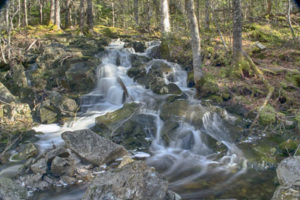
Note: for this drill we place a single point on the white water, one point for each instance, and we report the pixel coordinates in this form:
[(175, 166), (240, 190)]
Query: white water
[(187, 158)]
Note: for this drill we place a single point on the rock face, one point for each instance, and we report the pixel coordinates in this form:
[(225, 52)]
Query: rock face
[(10, 190), (92, 147), (133, 181), (288, 173), (13, 112)]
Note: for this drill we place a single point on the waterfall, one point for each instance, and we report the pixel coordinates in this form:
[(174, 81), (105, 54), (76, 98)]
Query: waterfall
[(188, 157)]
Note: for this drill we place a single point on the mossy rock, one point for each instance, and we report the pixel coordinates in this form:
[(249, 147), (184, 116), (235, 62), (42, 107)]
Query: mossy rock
[(267, 115), (136, 132), (48, 115), (108, 122)]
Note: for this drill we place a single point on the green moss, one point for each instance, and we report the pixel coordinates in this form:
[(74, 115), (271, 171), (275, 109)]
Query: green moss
[(265, 33), (267, 116), (289, 147), (293, 78)]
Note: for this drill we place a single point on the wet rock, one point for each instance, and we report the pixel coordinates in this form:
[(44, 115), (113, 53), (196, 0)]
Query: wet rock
[(81, 76), (133, 181), (137, 46), (9, 190), (138, 61), (64, 104), (173, 196), (48, 115), (110, 121), (92, 147), (26, 151), (288, 173), (183, 110), (5, 94), (40, 167), (62, 166), (133, 133)]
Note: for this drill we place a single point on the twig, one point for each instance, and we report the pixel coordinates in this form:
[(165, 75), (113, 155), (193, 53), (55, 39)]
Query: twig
[(296, 150), (30, 46)]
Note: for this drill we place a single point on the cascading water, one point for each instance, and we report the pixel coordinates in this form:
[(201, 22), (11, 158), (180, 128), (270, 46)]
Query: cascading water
[(187, 159)]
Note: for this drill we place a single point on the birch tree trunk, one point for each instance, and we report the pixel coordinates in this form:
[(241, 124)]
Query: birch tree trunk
[(52, 12), (25, 13), (57, 14), (19, 14), (90, 17), (237, 31), (41, 10), (136, 11), (196, 45), (165, 17)]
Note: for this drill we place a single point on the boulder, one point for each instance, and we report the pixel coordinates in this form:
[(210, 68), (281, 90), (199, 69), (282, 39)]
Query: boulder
[(81, 76), (40, 167), (183, 110), (5, 94), (288, 171), (65, 105), (137, 46), (110, 121), (133, 181), (92, 147), (9, 190), (16, 112), (134, 132), (48, 115), (62, 166)]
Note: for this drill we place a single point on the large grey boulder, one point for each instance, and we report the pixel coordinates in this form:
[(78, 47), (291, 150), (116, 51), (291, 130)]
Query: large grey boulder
[(9, 190), (288, 173), (92, 147), (133, 181)]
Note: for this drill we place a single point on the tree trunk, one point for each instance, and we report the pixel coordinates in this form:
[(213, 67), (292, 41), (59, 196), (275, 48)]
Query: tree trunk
[(157, 12), (207, 13), (289, 20), (165, 17), (57, 14), (113, 13), (68, 17), (41, 10), (52, 12), (237, 31), (196, 45), (136, 11), (19, 14), (269, 9), (90, 17), (81, 16), (25, 13)]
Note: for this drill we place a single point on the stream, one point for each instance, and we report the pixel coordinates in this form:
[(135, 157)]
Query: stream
[(194, 168)]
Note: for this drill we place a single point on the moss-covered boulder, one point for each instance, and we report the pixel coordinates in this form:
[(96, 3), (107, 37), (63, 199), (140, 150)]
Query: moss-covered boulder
[(16, 112), (267, 115), (182, 110), (48, 115), (110, 121), (136, 133)]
